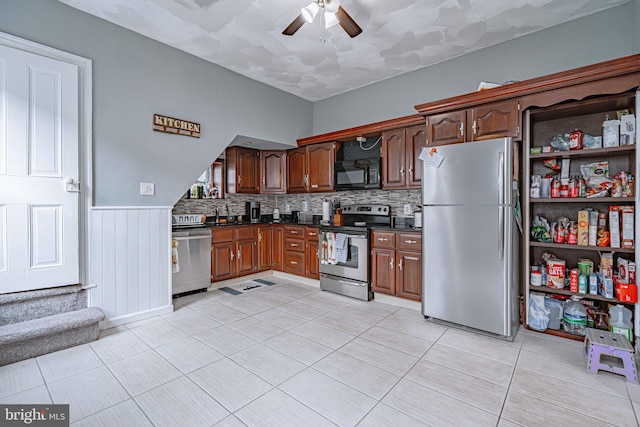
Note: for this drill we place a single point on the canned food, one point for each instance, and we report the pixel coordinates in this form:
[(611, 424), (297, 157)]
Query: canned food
[(555, 273), (585, 266)]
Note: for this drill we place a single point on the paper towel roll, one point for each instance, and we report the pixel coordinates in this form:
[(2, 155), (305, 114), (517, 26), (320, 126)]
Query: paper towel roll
[(326, 211)]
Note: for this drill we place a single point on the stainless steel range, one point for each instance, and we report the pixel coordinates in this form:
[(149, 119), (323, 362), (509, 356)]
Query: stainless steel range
[(344, 250)]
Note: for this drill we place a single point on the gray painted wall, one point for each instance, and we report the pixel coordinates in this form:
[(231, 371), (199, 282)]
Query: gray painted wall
[(595, 38), (135, 77)]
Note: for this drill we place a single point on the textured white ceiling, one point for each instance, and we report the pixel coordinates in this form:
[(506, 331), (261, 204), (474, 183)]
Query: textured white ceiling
[(398, 36)]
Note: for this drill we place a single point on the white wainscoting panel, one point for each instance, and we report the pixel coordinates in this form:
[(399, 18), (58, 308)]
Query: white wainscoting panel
[(130, 262)]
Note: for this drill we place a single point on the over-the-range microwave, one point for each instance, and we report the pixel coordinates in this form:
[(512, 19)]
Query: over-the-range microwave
[(357, 174)]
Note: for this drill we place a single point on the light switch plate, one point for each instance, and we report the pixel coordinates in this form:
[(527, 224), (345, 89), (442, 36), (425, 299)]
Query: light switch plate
[(147, 189)]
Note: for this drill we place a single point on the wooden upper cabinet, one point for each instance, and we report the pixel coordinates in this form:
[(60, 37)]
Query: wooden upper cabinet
[(496, 120), (273, 167), (493, 120), (310, 168), (243, 170), (401, 167), (446, 128), (393, 154), (320, 162), (297, 170), (416, 137)]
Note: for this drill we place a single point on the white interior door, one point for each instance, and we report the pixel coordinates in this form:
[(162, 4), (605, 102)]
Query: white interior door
[(39, 198)]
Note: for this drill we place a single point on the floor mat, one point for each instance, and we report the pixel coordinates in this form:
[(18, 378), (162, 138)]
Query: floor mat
[(243, 287)]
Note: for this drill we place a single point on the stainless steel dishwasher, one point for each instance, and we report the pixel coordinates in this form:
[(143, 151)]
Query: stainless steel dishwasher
[(191, 260)]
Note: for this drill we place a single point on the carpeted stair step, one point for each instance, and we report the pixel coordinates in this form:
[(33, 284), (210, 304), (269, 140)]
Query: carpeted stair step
[(31, 338), (22, 306)]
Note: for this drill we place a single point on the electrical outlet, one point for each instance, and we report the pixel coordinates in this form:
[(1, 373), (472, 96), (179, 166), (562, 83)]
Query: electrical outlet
[(287, 208), (407, 209), (147, 189)]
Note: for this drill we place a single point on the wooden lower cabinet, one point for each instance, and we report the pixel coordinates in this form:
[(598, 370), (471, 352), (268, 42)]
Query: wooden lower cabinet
[(234, 252), (246, 257), (242, 250), (312, 262), (383, 275), (396, 263), (222, 255), (409, 274), (277, 247)]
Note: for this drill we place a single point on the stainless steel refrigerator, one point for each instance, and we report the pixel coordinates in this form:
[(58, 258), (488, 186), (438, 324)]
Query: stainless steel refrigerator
[(470, 237)]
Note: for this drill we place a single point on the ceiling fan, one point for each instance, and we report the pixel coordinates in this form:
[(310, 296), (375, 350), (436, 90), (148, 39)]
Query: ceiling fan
[(333, 14)]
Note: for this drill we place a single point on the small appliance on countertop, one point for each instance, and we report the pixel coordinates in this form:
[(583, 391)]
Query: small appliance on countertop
[(188, 221), (252, 210)]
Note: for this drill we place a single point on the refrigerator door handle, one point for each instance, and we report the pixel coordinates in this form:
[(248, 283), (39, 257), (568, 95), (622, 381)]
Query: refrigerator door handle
[(501, 232), (501, 177)]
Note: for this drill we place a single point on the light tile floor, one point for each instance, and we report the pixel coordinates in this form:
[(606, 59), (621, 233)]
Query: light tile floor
[(291, 355)]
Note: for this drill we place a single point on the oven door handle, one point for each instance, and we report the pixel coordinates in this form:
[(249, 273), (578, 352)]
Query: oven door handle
[(352, 283)]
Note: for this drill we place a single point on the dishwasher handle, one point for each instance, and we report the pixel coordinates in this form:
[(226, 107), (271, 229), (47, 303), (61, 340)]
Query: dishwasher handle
[(191, 238)]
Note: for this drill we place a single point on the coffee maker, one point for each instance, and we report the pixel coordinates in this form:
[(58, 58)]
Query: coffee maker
[(253, 211)]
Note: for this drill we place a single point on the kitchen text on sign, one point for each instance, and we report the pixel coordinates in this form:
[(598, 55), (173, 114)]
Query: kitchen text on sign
[(177, 126)]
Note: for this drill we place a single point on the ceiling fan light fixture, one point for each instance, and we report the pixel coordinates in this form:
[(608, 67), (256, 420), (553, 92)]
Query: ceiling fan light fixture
[(330, 19), (309, 12), (331, 5)]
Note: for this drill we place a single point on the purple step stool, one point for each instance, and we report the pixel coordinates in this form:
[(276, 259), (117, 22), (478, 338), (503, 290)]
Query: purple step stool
[(610, 352)]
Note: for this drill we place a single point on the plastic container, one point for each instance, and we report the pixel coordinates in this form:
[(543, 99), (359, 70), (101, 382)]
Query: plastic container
[(574, 319), (555, 312), (620, 320)]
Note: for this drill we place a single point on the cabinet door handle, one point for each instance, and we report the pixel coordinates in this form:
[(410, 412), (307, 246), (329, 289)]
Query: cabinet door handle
[(294, 245), (312, 234), (391, 263), (462, 129), (402, 170), (264, 181), (411, 242), (474, 127), (232, 256), (400, 265), (410, 170), (382, 239), (260, 237), (239, 179), (294, 262), (239, 253), (294, 232)]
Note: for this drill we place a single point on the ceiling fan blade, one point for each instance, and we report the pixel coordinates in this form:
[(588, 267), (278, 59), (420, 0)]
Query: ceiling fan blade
[(347, 23), (294, 26)]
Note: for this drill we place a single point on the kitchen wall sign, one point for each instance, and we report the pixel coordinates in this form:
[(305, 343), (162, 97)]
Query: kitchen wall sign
[(177, 126)]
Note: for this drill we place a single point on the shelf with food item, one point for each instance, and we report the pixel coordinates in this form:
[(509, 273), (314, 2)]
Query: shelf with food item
[(550, 245), (567, 292), (586, 152), (610, 200)]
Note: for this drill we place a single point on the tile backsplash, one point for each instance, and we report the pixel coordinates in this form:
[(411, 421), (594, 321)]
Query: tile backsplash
[(236, 202)]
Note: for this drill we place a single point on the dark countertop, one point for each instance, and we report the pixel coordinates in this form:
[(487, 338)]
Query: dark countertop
[(213, 226)]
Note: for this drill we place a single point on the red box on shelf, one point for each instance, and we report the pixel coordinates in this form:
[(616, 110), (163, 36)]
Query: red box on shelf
[(627, 292)]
